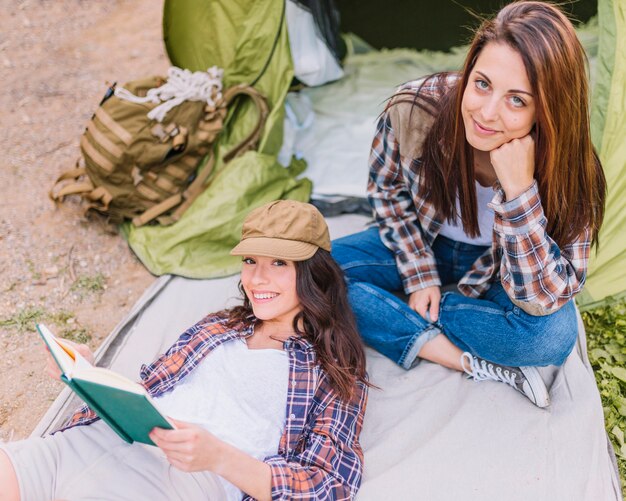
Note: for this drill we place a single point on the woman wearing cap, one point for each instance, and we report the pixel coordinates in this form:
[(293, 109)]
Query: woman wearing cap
[(276, 390), (486, 178)]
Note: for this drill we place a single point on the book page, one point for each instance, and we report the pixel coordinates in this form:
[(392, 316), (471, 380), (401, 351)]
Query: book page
[(74, 365), (107, 377), (64, 355)]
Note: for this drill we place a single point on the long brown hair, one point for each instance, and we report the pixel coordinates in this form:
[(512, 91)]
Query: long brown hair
[(568, 172), (326, 320)]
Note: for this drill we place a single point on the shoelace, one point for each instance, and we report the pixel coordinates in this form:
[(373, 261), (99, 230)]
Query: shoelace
[(182, 85), (482, 370)]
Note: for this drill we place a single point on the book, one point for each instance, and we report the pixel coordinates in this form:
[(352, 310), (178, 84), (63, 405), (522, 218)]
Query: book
[(121, 403)]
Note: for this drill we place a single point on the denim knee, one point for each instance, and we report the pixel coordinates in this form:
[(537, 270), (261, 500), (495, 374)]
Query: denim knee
[(554, 336), (364, 258), (387, 324)]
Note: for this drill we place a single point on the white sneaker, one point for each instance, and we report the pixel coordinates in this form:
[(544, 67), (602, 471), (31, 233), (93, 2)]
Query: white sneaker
[(526, 380)]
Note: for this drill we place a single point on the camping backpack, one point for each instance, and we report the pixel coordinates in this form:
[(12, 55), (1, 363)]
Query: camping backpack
[(143, 145)]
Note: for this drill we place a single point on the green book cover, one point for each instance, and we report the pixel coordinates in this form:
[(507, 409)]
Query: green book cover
[(131, 415), (121, 403)]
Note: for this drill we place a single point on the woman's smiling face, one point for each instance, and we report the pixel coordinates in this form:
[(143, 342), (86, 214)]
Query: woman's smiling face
[(498, 104), (270, 285)]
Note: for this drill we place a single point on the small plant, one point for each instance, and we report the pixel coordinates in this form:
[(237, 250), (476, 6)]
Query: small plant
[(86, 284), (77, 334), (61, 317), (25, 319), (33, 271)]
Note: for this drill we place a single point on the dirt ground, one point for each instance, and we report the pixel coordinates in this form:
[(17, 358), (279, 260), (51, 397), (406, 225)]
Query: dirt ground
[(56, 57)]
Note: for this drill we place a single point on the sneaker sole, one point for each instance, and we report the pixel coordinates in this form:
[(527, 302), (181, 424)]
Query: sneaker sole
[(533, 377)]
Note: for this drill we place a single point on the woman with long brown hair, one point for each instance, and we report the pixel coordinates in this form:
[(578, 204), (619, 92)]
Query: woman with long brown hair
[(267, 398), (486, 178)]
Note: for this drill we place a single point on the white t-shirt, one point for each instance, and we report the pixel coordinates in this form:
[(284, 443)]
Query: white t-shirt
[(454, 231), (239, 395)]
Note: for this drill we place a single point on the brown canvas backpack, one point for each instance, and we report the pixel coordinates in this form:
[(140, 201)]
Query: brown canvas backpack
[(142, 147)]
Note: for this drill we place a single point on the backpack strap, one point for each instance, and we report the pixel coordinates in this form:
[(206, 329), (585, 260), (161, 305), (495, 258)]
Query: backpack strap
[(74, 188), (157, 210), (100, 195), (193, 191), (263, 110), (99, 198)]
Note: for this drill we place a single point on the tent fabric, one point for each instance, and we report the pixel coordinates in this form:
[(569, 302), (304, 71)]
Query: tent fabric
[(327, 20), (429, 433), (314, 63), (607, 277), (336, 143), (249, 40)]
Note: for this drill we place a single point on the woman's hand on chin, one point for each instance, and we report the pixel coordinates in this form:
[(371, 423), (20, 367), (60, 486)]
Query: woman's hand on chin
[(514, 163)]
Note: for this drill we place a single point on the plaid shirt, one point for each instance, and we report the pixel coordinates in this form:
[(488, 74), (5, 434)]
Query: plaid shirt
[(319, 455), (537, 275)]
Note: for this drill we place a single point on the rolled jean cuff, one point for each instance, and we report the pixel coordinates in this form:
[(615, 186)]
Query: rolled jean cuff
[(409, 358)]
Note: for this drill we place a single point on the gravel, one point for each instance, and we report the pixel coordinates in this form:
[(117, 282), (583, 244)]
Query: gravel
[(79, 276)]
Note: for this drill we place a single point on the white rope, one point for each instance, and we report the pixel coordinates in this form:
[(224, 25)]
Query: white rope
[(482, 370), (182, 85)]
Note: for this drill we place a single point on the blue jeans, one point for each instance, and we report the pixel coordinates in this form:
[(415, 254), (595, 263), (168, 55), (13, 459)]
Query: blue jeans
[(491, 327)]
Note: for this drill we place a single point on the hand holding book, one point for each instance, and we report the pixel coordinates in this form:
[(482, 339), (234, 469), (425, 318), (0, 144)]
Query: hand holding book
[(52, 367), (123, 404)]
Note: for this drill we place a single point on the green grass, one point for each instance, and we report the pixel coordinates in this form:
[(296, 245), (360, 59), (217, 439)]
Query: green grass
[(60, 317), (89, 284), (606, 339), (33, 270), (77, 334), (24, 320)]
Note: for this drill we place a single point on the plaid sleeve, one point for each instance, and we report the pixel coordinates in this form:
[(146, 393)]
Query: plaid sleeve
[(82, 416), (329, 463), (395, 212), (534, 271)]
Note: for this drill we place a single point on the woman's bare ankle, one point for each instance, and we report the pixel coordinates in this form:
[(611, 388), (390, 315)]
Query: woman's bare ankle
[(440, 350)]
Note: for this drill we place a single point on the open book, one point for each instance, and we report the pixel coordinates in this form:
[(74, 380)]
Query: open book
[(123, 404)]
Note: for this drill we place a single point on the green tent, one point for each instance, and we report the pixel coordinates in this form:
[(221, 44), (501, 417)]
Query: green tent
[(607, 277), (249, 40)]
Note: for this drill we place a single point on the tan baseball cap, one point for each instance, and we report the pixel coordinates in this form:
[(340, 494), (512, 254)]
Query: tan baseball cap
[(285, 229)]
